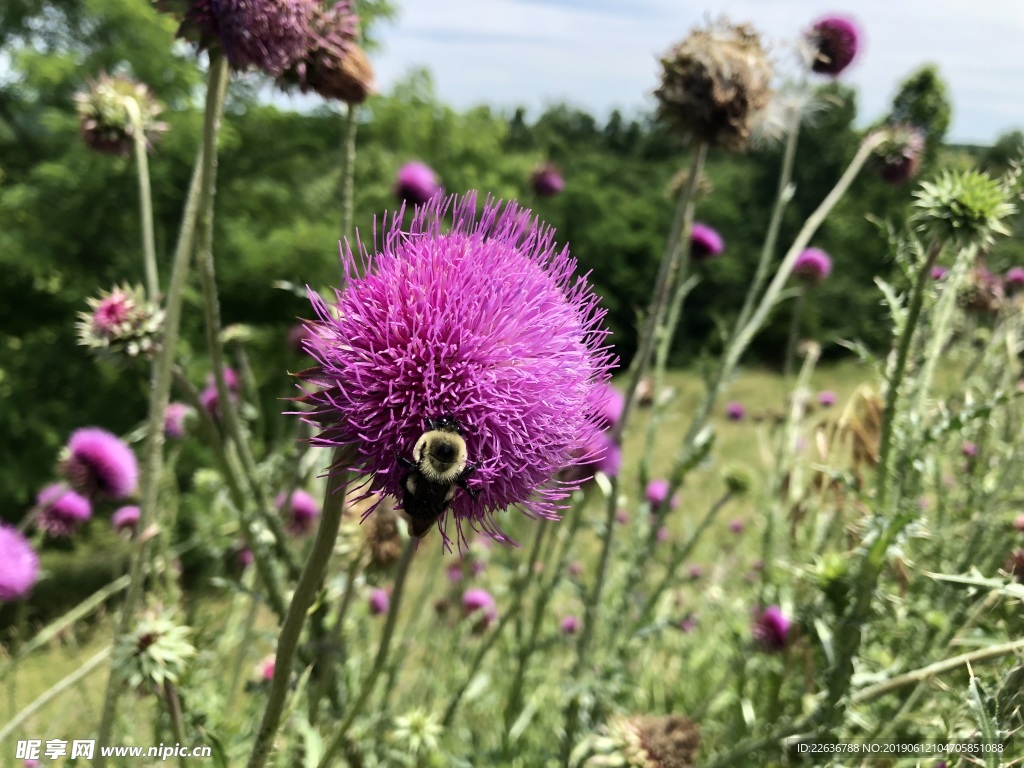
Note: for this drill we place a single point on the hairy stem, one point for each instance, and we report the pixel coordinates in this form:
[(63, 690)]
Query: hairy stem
[(145, 200), (348, 168)]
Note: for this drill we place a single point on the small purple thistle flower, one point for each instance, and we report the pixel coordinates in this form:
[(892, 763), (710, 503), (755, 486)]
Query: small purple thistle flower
[(736, 526), (379, 602), (454, 573), (99, 463), (689, 623), (174, 420), (735, 411), (938, 273), (267, 667), (705, 243), (1014, 279), (621, 517), (547, 181), (231, 378), (479, 602), (834, 42), (416, 183), (570, 625), (656, 493), (1018, 522), (812, 266), (303, 511), (969, 450), (771, 629), (61, 511), (695, 572), (482, 320), (126, 518), (610, 404), (19, 565), (244, 557), (826, 398)]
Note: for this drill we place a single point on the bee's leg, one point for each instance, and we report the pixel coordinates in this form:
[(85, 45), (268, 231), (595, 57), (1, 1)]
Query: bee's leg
[(407, 463), (461, 482)]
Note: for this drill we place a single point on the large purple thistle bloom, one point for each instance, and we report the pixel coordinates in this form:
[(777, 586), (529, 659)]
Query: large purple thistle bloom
[(834, 41), (705, 243), (812, 266), (19, 565), (61, 511), (482, 320), (416, 183), (99, 463)]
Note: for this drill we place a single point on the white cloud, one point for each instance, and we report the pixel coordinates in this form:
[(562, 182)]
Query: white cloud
[(602, 54)]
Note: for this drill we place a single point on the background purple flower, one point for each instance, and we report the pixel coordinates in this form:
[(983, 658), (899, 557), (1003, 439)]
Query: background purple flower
[(705, 242), (99, 463), (570, 625), (812, 266), (546, 180), (19, 565), (826, 398), (939, 272), (61, 511), (174, 420), (126, 518), (610, 404), (656, 493), (834, 41), (736, 525), (416, 183), (482, 320), (479, 601), (302, 512), (1014, 279), (771, 629), (735, 411), (379, 602)]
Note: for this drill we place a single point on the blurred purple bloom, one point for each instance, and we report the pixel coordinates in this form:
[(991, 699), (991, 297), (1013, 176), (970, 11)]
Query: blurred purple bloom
[(174, 420), (610, 405), (570, 625), (969, 449), (61, 511), (234, 383), (416, 183), (575, 568), (834, 42), (99, 463), (657, 492), (695, 572), (244, 557), (483, 320), (19, 565), (547, 181), (705, 243), (662, 534), (267, 667), (736, 526), (303, 511), (621, 516), (771, 629), (1014, 279), (454, 573), (826, 398), (689, 623), (735, 411), (477, 567), (812, 266), (126, 518), (380, 602), (1018, 522), (939, 272), (476, 601)]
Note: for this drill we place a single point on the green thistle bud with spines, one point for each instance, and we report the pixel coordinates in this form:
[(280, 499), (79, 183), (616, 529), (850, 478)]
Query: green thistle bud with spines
[(103, 117), (738, 479), (155, 652), (968, 208)]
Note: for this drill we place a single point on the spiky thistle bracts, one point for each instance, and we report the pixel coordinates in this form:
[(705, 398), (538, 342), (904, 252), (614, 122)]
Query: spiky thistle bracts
[(482, 319)]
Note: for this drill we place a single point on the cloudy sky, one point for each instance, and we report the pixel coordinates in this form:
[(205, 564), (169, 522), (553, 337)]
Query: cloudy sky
[(602, 54)]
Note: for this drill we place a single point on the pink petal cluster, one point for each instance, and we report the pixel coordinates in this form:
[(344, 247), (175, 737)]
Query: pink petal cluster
[(705, 243), (61, 511), (126, 518), (812, 266), (19, 565), (99, 463), (547, 180), (302, 511), (657, 492), (771, 629), (834, 41), (416, 183)]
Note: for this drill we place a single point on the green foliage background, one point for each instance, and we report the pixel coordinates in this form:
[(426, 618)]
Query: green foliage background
[(68, 217)]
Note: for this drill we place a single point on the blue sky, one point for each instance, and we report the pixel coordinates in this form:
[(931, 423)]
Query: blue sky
[(602, 54)]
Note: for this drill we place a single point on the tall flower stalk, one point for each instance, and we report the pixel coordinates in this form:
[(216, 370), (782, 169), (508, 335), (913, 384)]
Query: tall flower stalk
[(145, 198), (348, 168)]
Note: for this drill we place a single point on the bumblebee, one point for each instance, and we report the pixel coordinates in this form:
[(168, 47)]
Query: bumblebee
[(440, 462)]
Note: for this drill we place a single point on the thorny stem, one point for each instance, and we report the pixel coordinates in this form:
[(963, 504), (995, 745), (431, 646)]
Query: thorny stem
[(306, 589), (145, 200), (382, 656), (174, 710), (159, 395), (348, 168), (794, 334)]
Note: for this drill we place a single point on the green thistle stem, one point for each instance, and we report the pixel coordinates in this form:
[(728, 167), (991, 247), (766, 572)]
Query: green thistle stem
[(348, 168), (174, 710), (145, 199), (794, 334), (159, 395), (379, 663), (306, 589)]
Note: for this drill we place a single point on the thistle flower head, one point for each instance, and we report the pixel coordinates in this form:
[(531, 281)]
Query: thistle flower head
[(570, 624), (668, 741), (705, 243), (483, 322), (126, 518), (300, 509), (1014, 279), (939, 272), (833, 41), (121, 322), (416, 183), (19, 565), (734, 411), (324, 67), (771, 629), (379, 602), (61, 511), (826, 398), (714, 83), (417, 734), (156, 651), (174, 420), (963, 207), (610, 404), (738, 479), (103, 117), (812, 266), (898, 157), (602, 454), (268, 35), (657, 492), (480, 604), (547, 180), (98, 463)]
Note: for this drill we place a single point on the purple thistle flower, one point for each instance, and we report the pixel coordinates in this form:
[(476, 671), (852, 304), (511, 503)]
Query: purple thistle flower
[(705, 243), (610, 404), (231, 378), (99, 463), (322, 67), (244, 557), (899, 156), (479, 601), (269, 35), (1014, 279), (602, 454), (621, 516), (267, 667), (939, 273), (826, 398), (303, 511), (736, 525), (126, 518), (657, 492), (771, 629), (834, 41), (174, 420), (1018, 522), (546, 180), (454, 573), (575, 569), (969, 449), (662, 535), (735, 411), (570, 625), (380, 602), (61, 511), (695, 572), (19, 565), (812, 266), (416, 183), (483, 321), (688, 624)]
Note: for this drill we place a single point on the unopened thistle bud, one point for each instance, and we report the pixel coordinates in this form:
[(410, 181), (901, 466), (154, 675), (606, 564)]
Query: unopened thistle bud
[(967, 208), (898, 157), (121, 323), (155, 652), (669, 741), (714, 83), (738, 479), (103, 116)]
